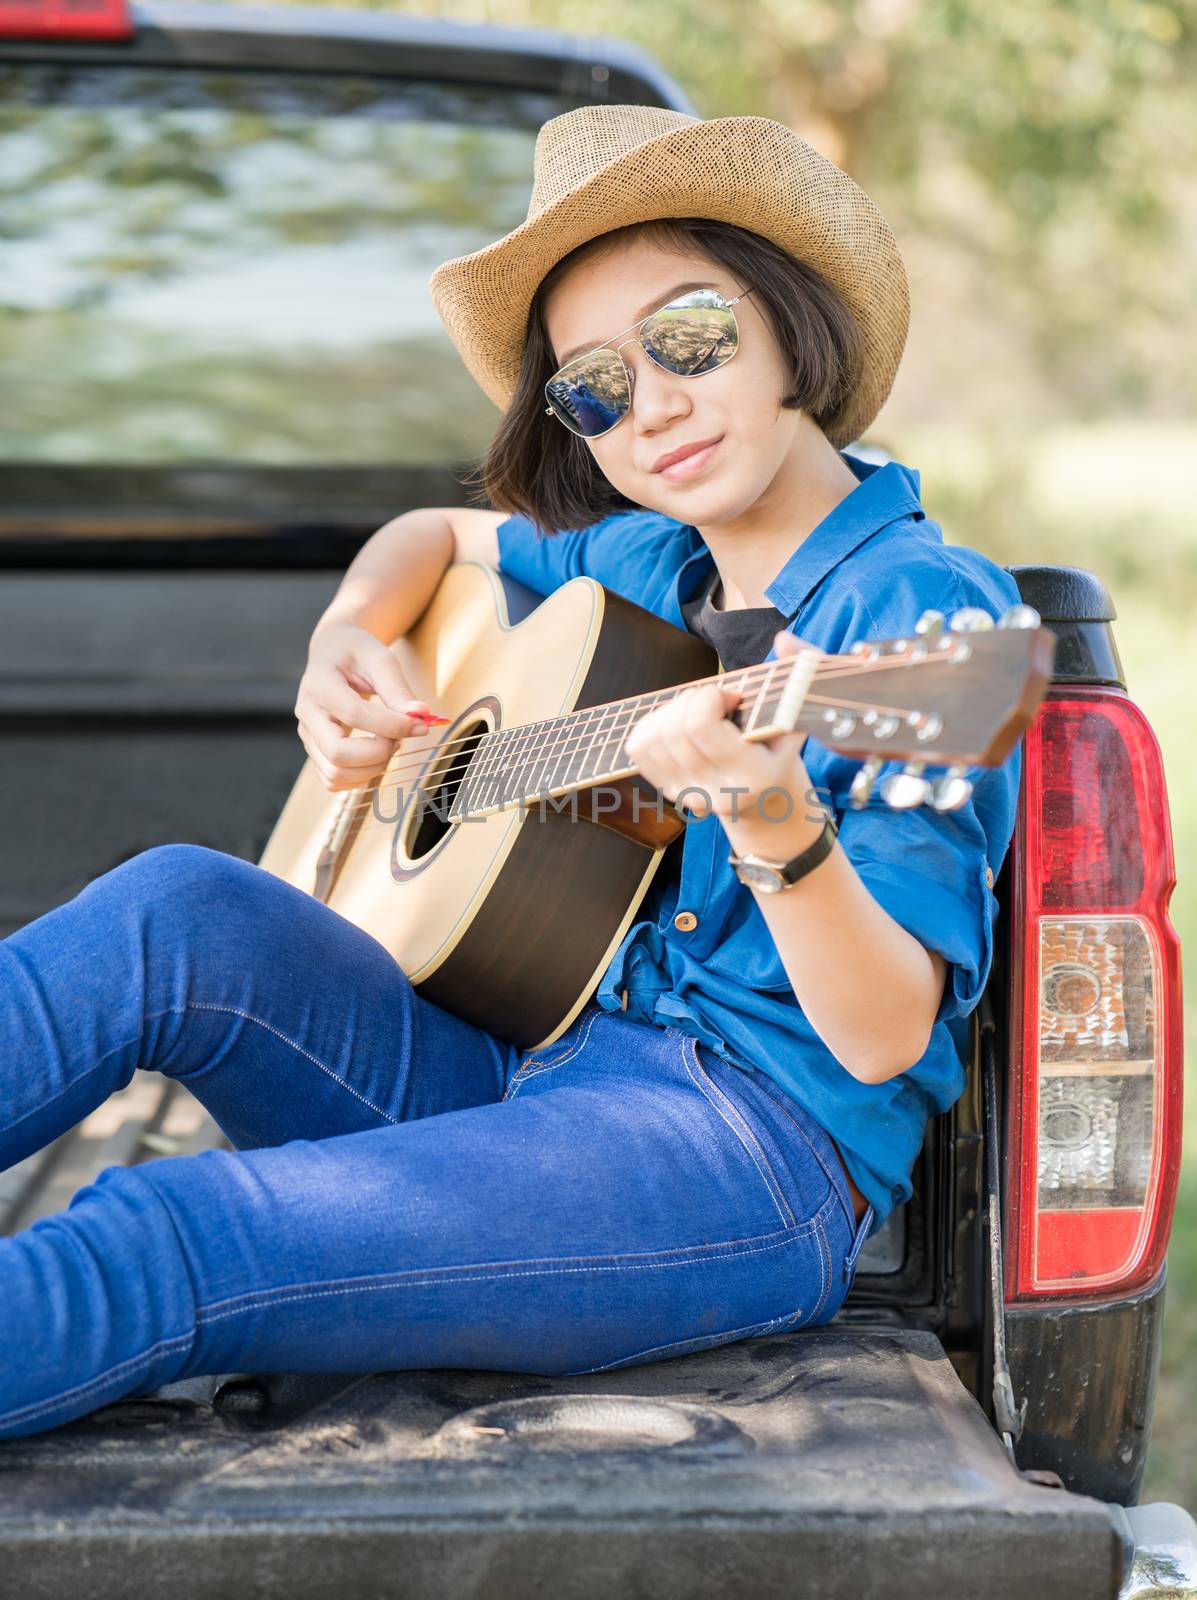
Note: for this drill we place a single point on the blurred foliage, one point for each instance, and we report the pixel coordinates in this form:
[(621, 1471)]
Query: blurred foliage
[(1037, 162)]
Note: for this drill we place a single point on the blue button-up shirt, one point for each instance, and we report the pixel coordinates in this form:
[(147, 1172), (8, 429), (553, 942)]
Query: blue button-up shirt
[(867, 571)]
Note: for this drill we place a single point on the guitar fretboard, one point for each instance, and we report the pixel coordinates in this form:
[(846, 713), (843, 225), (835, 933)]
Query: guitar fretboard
[(538, 760)]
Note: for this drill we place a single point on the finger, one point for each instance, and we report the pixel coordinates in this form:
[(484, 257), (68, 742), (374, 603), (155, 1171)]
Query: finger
[(710, 706), (791, 644), (689, 770), (373, 662), (672, 758), (642, 735), (713, 736), (652, 760), (345, 750), (331, 694), (357, 682), (324, 769)]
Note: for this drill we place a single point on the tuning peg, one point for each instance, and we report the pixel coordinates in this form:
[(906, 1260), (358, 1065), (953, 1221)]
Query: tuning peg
[(907, 788), (1019, 616), (931, 623), (951, 791), (862, 782), (971, 619)]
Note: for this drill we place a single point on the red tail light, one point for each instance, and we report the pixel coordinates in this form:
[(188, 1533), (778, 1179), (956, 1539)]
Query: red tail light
[(1095, 1111), (66, 19)]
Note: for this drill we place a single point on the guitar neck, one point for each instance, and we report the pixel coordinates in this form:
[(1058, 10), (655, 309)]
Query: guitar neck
[(563, 755), (944, 697)]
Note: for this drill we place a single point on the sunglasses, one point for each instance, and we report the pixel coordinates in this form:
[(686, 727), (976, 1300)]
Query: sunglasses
[(693, 334)]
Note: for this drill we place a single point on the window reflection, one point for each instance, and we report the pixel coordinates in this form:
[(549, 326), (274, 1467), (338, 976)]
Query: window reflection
[(224, 267)]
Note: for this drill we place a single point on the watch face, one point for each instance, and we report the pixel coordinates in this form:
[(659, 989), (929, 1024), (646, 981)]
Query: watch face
[(767, 879)]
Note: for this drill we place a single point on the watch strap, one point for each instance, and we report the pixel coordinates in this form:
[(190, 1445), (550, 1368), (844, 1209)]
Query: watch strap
[(805, 861)]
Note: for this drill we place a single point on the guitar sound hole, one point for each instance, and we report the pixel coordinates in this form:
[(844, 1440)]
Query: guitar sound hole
[(434, 798)]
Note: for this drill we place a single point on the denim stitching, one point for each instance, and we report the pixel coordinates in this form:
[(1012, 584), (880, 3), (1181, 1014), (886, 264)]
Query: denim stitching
[(523, 1075), (835, 1188), (701, 1342), (858, 1241), (423, 1277), (689, 1055), (149, 1016), (203, 1005), (681, 1251), (819, 1303), (24, 1412), (826, 1270)]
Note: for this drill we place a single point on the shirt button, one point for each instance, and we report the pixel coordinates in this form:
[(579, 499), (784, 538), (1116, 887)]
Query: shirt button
[(685, 921), (989, 876)]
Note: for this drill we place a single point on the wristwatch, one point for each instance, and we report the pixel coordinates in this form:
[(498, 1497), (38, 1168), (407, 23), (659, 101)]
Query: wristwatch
[(771, 877)]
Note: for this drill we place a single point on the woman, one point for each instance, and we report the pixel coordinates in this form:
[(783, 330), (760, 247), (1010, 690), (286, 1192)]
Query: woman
[(701, 1154)]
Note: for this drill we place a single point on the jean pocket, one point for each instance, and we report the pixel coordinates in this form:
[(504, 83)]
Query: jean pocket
[(858, 1239), (731, 1115), (564, 1048)]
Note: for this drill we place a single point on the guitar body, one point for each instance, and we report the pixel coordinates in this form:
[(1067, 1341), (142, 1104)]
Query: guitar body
[(507, 919)]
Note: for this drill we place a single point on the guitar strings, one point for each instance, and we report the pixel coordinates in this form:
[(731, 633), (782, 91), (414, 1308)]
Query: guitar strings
[(425, 759), (502, 800), (745, 681), (553, 755)]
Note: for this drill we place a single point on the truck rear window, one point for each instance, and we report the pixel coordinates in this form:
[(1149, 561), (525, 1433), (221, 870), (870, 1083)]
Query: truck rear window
[(229, 269)]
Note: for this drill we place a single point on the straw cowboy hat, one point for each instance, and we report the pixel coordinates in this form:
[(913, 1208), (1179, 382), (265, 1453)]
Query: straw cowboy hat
[(604, 166)]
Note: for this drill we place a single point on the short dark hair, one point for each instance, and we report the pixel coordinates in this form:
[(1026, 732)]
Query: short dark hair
[(536, 468)]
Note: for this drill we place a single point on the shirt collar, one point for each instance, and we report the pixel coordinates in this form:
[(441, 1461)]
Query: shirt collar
[(883, 495)]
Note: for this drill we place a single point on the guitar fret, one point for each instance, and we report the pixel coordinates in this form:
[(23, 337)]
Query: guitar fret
[(581, 748), (762, 698), (462, 767), (557, 754), (575, 747), (493, 792), (543, 744), (592, 755), (511, 770), (615, 757), (518, 755), (474, 777)]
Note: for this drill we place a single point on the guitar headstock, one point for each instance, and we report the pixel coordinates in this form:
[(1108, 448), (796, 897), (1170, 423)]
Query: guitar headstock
[(956, 693)]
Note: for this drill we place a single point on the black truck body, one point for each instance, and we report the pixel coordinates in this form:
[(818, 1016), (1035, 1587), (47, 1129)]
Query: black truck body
[(154, 618)]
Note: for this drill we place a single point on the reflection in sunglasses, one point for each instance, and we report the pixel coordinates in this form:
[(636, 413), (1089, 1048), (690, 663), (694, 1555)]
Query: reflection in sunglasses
[(697, 333)]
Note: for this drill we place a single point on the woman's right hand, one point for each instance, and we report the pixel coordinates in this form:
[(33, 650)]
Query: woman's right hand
[(347, 665)]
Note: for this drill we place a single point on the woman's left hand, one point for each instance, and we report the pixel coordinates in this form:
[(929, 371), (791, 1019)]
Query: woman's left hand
[(689, 749)]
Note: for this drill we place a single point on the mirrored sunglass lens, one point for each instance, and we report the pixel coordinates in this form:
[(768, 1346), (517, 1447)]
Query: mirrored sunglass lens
[(591, 394), (695, 334)]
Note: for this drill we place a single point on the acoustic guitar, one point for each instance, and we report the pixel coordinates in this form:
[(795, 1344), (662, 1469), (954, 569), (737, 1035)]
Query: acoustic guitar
[(502, 858)]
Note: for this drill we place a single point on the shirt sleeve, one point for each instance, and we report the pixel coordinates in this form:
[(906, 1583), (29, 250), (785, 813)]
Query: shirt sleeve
[(634, 552), (930, 871), (543, 561), (933, 872)]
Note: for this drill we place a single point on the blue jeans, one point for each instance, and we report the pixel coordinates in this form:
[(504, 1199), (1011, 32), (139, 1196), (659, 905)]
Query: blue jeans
[(405, 1190)]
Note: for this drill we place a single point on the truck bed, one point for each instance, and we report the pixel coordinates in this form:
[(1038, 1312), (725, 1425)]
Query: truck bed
[(843, 1452)]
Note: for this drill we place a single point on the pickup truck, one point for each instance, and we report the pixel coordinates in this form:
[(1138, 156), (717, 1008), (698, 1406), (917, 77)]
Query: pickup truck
[(221, 373)]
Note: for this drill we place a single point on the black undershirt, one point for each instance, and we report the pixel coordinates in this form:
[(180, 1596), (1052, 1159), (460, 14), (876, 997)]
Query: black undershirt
[(742, 638)]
